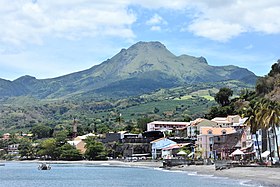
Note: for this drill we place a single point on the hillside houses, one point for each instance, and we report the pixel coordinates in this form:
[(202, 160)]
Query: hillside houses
[(216, 138)]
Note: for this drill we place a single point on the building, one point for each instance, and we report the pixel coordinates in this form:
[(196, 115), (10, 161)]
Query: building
[(205, 140), (6, 136), (230, 121), (13, 149), (79, 142), (166, 125), (194, 128), (158, 145), (225, 144), (272, 135)]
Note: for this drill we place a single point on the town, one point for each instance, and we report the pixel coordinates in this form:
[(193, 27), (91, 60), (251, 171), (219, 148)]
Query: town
[(199, 141)]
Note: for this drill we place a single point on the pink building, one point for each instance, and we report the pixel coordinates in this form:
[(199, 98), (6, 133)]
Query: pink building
[(205, 140)]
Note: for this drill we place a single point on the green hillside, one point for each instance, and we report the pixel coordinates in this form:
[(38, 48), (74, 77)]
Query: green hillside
[(142, 68)]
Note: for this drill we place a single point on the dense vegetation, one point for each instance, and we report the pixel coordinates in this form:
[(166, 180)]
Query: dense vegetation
[(175, 104)]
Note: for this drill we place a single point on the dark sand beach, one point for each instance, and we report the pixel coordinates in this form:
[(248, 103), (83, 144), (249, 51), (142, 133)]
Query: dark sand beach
[(264, 175)]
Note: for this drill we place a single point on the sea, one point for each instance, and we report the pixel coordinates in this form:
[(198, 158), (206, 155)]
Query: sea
[(21, 174)]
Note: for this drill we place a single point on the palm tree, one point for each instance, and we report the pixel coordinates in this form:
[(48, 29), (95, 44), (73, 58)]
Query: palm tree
[(261, 114), (254, 127), (272, 119)]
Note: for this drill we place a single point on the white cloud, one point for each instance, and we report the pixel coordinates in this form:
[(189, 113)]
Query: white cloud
[(31, 21), (156, 28), (227, 19), (215, 30), (156, 19), (28, 22)]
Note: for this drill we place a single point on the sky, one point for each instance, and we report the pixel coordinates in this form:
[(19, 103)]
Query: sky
[(51, 38)]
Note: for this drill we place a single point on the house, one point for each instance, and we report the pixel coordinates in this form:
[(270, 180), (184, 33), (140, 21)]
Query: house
[(194, 127), (13, 149), (6, 136), (230, 121), (205, 140), (158, 145), (166, 125), (78, 144)]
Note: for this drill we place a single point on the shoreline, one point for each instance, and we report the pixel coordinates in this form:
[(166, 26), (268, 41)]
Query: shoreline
[(263, 176)]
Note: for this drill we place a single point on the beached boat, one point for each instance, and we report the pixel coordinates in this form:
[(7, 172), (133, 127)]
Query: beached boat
[(44, 166)]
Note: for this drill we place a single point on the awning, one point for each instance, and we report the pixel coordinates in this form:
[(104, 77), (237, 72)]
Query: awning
[(181, 153), (237, 152), (265, 154)]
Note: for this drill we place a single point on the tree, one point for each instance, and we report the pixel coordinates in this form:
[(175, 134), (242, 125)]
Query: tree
[(156, 110), (68, 152), (275, 69), (222, 97), (48, 149), (254, 125), (41, 131), (27, 150), (142, 123), (271, 119), (95, 150)]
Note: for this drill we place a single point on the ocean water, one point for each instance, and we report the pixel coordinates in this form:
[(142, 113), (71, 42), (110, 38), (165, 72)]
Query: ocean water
[(17, 174)]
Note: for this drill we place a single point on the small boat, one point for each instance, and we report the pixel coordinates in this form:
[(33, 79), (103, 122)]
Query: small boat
[(44, 166), (2, 164)]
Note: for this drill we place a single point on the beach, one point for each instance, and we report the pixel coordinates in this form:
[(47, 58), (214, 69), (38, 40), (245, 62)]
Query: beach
[(266, 176), (263, 175)]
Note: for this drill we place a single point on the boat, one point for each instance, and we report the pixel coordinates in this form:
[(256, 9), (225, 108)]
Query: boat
[(44, 166), (2, 164)]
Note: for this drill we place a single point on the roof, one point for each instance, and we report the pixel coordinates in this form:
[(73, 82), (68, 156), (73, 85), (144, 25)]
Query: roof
[(157, 140), (220, 120), (83, 137), (241, 122), (170, 123), (176, 146), (75, 143), (216, 130), (162, 143), (237, 152), (196, 121)]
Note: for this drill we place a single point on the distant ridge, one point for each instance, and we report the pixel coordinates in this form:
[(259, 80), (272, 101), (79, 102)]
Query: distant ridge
[(143, 67)]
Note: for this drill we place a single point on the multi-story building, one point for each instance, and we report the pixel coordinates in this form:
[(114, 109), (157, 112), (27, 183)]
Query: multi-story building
[(166, 125), (205, 140)]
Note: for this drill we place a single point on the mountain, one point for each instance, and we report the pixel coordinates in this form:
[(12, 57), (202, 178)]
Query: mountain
[(143, 67)]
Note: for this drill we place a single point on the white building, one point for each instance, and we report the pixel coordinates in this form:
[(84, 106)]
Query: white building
[(166, 125)]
